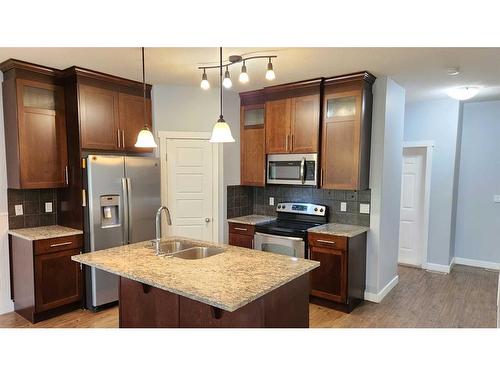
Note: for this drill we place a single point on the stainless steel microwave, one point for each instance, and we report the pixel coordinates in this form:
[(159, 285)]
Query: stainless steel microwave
[(292, 169)]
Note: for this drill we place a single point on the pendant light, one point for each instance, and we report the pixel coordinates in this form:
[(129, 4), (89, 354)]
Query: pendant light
[(221, 133), (145, 137)]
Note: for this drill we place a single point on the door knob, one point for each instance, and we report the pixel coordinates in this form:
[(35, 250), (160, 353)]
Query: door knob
[(207, 220)]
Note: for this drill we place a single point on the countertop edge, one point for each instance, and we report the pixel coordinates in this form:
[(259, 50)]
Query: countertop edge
[(196, 298), (73, 232)]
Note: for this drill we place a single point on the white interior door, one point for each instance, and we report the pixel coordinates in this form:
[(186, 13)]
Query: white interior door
[(189, 188), (412, 193)]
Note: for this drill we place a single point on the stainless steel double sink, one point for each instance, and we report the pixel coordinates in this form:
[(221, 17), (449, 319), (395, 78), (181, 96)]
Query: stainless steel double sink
[(188, 250)]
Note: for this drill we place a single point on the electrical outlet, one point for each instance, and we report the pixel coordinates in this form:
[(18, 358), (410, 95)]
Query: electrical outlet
[(364, 208), (19, 209), (271, 201), (496, 198), (343, 206), (48, 206)]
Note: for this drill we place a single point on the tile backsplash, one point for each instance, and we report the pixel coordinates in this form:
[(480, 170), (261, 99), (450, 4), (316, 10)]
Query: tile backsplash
[(33, 203), (258, 198)]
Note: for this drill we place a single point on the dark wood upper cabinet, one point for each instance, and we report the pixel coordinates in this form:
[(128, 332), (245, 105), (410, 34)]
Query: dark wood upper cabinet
[(132, 119), (252, 139), (304, 131), (35, 127), (99, 118), (292, 117), (346, 132)]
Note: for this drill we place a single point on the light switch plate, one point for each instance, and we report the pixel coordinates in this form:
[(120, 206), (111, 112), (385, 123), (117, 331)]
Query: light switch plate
[(48, 206), (364, 208), (271, 201), (496, 198), (19, 209), (343, 206)]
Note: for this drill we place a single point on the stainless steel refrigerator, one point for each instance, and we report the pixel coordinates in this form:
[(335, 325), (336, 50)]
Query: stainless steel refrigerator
[(123, 196)]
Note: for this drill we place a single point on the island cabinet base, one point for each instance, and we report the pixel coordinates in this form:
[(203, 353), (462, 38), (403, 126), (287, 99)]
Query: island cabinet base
[(144, 306)]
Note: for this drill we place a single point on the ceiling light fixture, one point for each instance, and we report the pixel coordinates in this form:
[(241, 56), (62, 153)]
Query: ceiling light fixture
[(270, 72), (221, 133), (244, 77), (463, 93), (227, 79), (145, 138), (453, 71), (205, 85)]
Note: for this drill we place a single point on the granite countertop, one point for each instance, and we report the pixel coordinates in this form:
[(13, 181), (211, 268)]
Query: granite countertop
[(335, 229), (251, 219), (43, 233), (229, 280)]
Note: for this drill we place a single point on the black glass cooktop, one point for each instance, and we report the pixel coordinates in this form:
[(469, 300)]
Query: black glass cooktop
[(285, 228)]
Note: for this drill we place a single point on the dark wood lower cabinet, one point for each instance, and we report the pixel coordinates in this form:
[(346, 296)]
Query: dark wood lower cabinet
[(45, 281), (144, 306), (241, 235), (339, 281), (241, 240)]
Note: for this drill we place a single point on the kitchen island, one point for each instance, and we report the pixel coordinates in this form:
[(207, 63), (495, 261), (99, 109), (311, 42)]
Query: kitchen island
[(235, 288)]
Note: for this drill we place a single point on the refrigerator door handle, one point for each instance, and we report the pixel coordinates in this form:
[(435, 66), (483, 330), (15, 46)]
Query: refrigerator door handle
[(125, 210), (129, 209)]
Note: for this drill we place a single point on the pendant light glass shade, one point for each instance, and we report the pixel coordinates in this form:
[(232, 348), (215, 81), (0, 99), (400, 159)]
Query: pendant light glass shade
[(145, 139), (227, 83), (205, 85), (221, 132), (244, 75)]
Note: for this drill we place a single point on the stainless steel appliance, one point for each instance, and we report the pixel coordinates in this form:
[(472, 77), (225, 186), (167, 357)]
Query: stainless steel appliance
[(123, 197), (292, 169), (287, 235)]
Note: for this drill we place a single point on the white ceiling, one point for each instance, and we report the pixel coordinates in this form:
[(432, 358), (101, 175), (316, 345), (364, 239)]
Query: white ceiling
[(421, 71)]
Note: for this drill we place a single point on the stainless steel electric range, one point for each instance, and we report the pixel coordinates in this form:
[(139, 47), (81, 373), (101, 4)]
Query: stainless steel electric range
[(287, 235)]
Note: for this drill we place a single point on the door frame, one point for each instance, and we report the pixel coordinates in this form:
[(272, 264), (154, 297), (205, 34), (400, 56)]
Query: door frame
[(429, 148), (217, 177)]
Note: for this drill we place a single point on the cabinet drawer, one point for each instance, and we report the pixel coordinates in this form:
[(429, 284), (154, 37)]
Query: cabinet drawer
[(52, 245), (245, 229), (327, 241)]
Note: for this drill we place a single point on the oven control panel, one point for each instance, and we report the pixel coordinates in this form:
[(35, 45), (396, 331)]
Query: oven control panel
[(301, 208)]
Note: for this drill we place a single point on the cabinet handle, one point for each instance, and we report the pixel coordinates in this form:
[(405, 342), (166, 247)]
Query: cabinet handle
[(243, 229), (118, 135), (66, 176), (326, 241), (123, 138), (321, 177), (291, 142), (61, 244)]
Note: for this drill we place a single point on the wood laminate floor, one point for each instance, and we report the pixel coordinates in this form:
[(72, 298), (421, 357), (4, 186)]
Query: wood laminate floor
[(464, 298)]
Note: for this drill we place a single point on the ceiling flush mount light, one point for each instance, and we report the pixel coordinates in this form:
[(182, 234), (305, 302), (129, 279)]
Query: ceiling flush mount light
[(205, 85), (145, 137), (453, 71), (463, 93), (221, 133), (227, 79), (270, 72), (244, 77)]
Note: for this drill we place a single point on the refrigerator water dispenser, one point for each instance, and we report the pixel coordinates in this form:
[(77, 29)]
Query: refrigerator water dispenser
[(110, 208)]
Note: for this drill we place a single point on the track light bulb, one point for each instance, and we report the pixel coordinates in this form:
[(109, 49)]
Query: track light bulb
[(244, 75), (205, 85), (227, 83), (270, 72)]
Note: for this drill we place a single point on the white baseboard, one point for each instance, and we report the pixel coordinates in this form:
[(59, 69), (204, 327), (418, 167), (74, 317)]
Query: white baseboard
[(439, 267), (378, 297), (477, 263)]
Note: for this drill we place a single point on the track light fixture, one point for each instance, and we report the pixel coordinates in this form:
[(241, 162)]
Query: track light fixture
[(205, 85), (227, 83), (243, 77)]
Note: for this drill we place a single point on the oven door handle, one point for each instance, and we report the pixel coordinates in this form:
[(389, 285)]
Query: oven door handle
[(303, 171), (279, 237)]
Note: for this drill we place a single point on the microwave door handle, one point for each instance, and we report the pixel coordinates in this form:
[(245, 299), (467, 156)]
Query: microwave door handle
[(303, 171)]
